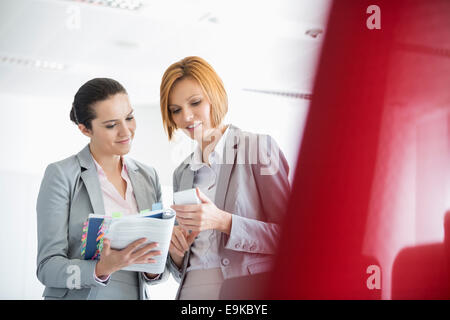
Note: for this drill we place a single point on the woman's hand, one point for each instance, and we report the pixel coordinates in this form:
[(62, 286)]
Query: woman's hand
[(204, 216), (180, 244), (113, 260)]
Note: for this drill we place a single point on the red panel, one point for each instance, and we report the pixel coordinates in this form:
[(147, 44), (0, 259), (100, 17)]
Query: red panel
[(372, 182)]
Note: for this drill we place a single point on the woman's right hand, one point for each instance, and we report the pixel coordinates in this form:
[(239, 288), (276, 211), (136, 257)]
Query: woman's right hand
[(180, 243), (112, 260)]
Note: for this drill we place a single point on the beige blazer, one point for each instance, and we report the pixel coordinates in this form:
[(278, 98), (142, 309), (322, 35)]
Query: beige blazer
[(253, 185)]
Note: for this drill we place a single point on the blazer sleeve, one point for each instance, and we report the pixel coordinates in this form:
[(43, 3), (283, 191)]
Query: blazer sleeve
[(158, 187), (54, 268), (271, 178), (170, 265)]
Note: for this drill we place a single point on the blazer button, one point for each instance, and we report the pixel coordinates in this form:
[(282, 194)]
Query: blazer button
[(225, 261)]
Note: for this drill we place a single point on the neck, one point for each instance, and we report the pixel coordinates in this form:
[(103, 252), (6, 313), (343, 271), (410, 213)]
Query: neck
[(210, 141), (109, 163)]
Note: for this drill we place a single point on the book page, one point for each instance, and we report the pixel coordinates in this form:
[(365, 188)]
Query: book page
[(124, 231)]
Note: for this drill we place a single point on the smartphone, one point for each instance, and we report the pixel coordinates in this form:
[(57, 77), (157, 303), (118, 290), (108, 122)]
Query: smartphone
[(186, 197)]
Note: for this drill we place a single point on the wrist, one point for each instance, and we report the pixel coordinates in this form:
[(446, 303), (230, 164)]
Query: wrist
[(100, 271), (177, 260), (226, 220)]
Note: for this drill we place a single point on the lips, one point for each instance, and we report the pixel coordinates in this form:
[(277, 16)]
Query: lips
[(194, 125), (126, 141)]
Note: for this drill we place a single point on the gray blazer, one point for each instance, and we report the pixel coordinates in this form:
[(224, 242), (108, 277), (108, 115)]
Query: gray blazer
[(69, 192), (253, 185)]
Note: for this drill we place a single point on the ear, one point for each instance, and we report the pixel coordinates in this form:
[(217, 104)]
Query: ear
[(87, 132)]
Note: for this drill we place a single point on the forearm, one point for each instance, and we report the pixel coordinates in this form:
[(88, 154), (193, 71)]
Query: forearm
[(60, 272), (174, 269)]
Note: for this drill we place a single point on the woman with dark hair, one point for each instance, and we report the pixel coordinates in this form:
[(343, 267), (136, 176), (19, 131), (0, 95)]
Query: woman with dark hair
[(99, 179)]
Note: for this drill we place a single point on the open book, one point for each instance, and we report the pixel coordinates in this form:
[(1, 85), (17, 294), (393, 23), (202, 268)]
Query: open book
[(155, 225)]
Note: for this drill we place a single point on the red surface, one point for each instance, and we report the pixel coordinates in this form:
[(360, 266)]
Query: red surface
[(372, 182)]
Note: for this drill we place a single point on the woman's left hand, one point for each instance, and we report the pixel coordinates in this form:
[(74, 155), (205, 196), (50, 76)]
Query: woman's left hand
[(204, 216)]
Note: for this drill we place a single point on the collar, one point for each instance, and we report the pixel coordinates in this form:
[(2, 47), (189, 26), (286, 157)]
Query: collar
[(197, 160), (87, 160), (102, 172)]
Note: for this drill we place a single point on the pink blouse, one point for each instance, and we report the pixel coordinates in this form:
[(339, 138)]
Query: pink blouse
[(112, 200)]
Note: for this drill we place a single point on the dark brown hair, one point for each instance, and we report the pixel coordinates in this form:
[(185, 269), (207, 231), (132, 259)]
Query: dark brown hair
[(93, 91)]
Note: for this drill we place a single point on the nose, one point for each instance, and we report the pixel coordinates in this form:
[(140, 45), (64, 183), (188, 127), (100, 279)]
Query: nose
[(187, 115), (125, 130)]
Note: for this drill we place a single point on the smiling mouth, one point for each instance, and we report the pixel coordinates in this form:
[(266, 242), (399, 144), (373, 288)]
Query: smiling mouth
[(124, 141), (193, 126)]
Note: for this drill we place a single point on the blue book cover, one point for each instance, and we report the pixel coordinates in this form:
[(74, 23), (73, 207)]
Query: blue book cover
[(92, 238), (94, 230)]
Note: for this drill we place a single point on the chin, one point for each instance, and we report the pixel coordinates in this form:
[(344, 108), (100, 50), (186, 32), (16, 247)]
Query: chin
[(121, 151)]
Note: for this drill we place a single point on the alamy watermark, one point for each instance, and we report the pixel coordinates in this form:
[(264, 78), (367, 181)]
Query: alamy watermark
[(74, 279), (239, 148), (374, 20), (73, 21), (374, 280)]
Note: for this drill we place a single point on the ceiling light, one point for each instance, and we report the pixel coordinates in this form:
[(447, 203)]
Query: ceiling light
[(34, 63), (295, 95), (119, 4)]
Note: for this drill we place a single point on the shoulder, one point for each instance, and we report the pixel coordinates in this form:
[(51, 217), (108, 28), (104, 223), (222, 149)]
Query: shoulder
[(144, 169), (255, 136), (61, 176), (183, 165), (255, 143), (243, 137), (262, 152), (68, 167)]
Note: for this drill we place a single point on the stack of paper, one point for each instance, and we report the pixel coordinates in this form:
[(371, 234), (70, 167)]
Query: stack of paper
[(156, 226)]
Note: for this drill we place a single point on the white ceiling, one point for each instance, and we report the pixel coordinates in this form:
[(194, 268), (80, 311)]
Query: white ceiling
[(251, 44)]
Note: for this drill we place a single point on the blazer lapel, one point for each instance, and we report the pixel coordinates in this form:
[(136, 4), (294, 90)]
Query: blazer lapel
[(187, 179), (90, 179), (141, 189), (229, 160)]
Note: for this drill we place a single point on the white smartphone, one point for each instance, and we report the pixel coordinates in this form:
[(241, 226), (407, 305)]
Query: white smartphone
[(186, 197)]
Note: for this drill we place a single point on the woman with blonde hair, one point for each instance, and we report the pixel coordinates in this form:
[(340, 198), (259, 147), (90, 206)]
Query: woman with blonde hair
[(240, 177)]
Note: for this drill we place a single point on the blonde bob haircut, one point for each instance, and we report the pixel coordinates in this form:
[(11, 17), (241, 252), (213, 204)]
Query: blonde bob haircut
[(208, 80)]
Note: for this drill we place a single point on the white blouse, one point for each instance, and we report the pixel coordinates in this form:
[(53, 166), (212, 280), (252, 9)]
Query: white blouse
[(204, 250)]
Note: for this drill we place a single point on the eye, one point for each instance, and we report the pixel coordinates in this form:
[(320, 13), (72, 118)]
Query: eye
[(130, 118), (196, 103), (110, 126), (175, 111)]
